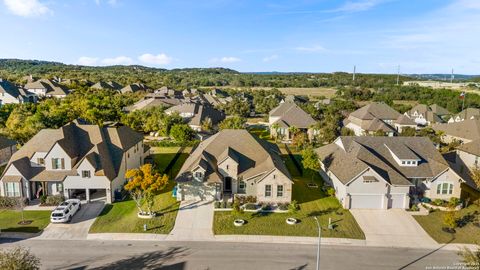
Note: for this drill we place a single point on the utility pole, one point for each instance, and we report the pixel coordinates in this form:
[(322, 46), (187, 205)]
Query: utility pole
[(398, 74), (451, 77), (319, 240), (354, 70)]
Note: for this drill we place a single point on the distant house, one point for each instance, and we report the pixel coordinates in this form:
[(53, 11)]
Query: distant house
[(12, 94), (374, 117), (467, 114), (234, 162), (153, 100), (165, 91), (464, 131), (195, 114), (47, 88), (426, 115), (134, 87), (383, 172), (111, 85), (7, 149), (287, 115), (77, 159)]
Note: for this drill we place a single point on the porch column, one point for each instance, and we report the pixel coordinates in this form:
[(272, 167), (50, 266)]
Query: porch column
[(87, 194)]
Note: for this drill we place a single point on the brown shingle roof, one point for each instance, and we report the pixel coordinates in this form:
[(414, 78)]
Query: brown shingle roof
[(468, 129), (292, 115), (378, 110)]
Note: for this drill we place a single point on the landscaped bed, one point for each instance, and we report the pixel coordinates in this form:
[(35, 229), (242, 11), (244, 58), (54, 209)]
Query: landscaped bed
[(468, 232), (312, 202), (121, 217), (10, 219)]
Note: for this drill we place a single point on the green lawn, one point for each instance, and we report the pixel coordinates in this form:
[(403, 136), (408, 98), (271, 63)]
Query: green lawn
[(468, 234), (313, 202), (9, 220), (163, 155), (121, 217)]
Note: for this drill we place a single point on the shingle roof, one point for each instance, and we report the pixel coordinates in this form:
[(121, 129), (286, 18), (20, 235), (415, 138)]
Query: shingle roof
[(200, 113), (472, 147), (6, 142), (378, 110), (153, 102), (362, 153), (468, 129), (430, 113), (292, 115), (405, 120), (101, 146), (469, 113), (255, 157), (9, 88), (51, 87)]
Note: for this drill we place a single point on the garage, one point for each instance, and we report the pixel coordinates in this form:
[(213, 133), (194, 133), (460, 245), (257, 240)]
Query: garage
[(370, 201), (396, 201)]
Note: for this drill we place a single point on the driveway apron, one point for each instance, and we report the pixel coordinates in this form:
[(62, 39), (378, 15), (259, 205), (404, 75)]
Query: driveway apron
[(194, 222)]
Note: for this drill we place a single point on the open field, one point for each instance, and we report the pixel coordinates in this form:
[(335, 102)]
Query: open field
[(313, 92)]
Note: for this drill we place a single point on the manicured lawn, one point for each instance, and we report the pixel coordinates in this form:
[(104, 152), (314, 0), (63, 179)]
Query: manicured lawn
[(163, 155), (468, 234), (313, 202), (9, 220), (121, 217)]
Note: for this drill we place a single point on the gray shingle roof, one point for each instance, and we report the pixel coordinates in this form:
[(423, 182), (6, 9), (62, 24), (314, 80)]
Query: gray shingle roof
[(472, 147), (362, 153), (378, 110), (468, 129), (200, 113), (292, 115), (51, 87)]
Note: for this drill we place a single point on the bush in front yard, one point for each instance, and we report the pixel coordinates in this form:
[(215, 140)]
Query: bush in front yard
[(250, 206), (453, 202), (217, 204), (283, 206), (438, 202), (54, 200), (330, 191), (10, 203), (293, 207)]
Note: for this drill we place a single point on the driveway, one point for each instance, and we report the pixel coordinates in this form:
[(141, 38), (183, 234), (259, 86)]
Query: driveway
[(78, 227), (392, 228), (194, 222)]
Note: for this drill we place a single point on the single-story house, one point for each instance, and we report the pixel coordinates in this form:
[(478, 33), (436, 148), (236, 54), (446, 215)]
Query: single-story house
[(288, 115), (195, 114), (463, 131)]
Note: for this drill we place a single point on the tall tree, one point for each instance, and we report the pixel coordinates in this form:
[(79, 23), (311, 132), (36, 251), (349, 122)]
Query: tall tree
[(310, 160)]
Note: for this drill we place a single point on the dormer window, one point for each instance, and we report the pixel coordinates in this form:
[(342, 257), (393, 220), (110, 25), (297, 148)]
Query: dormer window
[(86, 174), (58, 164), (41, 161)]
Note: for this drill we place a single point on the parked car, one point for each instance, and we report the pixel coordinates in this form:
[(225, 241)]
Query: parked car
[(65, 211)]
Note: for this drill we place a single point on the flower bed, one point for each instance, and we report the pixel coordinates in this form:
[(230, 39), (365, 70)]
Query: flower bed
[(442, 208)]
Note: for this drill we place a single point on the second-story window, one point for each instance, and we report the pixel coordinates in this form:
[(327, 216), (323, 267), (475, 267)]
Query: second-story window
[(58, 163), (40, 161), (85, 174)]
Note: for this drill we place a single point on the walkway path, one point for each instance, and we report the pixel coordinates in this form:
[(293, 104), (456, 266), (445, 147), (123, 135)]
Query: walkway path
[(194, 222)]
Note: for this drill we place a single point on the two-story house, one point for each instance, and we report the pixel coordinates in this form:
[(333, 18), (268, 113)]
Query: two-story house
[(12, 94), (47, 88), (467, 114), (234, 162), (76, 159), (425, 115), (384, 172)]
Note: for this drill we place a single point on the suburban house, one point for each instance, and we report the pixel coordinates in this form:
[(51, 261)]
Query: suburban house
[(76, 160), (375, 117), (111, 85), (165, 91), (7, 148), (383, 172), (234, 162), (154, 100), (134, 87), (425, 115), (195, 114), (12, 94), (467, 114), (463, 131), (47, 88), (287, 115)]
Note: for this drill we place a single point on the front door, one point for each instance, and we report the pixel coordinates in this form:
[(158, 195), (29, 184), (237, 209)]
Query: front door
[(228, 184)]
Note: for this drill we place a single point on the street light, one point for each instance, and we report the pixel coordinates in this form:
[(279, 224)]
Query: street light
[(319, 237)]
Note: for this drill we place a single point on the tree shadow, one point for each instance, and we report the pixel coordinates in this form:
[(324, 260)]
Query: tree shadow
[(301, 267), (322, 212), (151, 260), (426, 255)]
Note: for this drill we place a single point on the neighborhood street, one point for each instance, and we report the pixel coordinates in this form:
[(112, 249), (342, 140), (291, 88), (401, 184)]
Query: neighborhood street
[(82, 254)]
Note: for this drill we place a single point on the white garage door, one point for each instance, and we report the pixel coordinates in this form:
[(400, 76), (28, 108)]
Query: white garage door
[(396, 201), (366, 201)]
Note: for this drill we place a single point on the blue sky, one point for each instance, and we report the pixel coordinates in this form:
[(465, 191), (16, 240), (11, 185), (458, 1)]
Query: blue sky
[(422, 36)]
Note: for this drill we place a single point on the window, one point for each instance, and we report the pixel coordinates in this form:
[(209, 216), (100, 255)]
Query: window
[(85, 174), (408, 162), (12, 189), (40, 161), (198, 174), (403, 162), (59, 187), (280, 191), (227, 167), (242, 185), (444, 188), (268, 190), (58, 164)]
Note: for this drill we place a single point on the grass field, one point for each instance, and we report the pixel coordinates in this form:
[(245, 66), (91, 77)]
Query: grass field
[(313, 202), (469, 233), (314, 91), (121, 217), (9, 220)]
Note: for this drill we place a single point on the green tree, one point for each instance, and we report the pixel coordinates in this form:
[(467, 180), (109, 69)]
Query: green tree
[(234, 122), (18, 258), (182, 133), (292, 130), (310, 160), (449, 220), (344, 131), (275, 128), (408, 132), (207, 124)]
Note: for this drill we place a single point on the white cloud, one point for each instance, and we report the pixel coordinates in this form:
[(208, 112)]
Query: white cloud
[(316, 48), (159, 59), (27, 8), (270, 58), (87, 61), (226, 59), (357, 6), (110, 2), (119, 60)]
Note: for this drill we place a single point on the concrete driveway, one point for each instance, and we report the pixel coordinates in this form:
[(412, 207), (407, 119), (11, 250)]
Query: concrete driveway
[(194, 222), (392, 228), (78, 227)]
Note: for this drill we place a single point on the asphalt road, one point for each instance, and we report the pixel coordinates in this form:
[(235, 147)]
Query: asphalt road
[(83, 254)]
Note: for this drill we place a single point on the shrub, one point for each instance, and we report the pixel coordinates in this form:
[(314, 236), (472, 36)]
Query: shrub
[(229, 205), (54, 200), (18, 258), (266, 207), (170, 143), (453, 202), (449, 220), (251, 206), (293, 207), (43, 199), (251, 199), (9, 202), (414, 208), (236, 209), (283, 206), (217, 204), (224, 204), (330, 191), (438, 202)]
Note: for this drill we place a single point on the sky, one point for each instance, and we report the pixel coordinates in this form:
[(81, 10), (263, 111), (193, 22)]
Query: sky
[(420, 36)]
